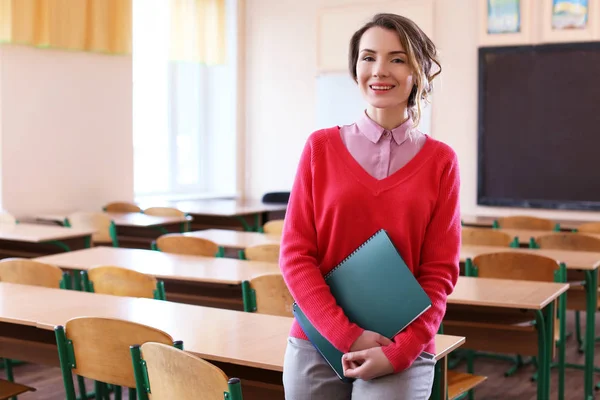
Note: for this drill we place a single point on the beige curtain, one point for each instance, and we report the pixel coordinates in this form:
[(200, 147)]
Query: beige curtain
[(198, 31), (84, 25)]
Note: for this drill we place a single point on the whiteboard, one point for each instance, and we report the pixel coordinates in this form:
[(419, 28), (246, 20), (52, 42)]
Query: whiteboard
[(339, 102)]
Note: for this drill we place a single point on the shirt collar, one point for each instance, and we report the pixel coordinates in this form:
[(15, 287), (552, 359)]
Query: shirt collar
[(373, 131)]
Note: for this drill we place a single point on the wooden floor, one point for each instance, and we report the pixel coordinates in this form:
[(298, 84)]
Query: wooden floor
[(49, 383)]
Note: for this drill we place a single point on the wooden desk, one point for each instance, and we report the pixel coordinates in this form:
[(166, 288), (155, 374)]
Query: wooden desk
[(244, 345), (525, 235), (249, 214), (236, 240), (498, 300), (487, 221), (134, 230), (587, 263), (30, 240), (207, 281)]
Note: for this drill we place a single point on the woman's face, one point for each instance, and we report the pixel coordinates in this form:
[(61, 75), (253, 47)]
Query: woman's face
[(383, 74)]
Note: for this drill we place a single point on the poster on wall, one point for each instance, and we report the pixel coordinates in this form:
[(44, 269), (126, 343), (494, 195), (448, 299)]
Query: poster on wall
[(569, 14), (503, 16)]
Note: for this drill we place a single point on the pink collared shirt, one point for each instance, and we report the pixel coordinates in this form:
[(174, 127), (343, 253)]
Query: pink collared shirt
[(381, 152)]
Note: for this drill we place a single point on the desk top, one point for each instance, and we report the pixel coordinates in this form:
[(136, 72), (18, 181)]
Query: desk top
[(505, 293), (235, 239), (40, 233), (487, 221), (166, 266), (132, 219), (586, 260), (226, 207), (240, 338)]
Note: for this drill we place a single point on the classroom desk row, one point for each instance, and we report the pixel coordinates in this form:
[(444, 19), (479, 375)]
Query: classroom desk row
[(234, 214), (248, 346), (488, 221), (217, 282)]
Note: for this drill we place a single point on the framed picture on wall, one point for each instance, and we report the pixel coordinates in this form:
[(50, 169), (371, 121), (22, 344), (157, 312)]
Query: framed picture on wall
[(570, 14), (504, 22), (570, 20), (503, 16)]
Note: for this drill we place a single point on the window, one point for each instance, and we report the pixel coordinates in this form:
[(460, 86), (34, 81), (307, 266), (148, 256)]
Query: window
[(184, 110)]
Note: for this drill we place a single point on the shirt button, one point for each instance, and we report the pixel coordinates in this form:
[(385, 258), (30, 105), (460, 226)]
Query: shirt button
[(386, 134)]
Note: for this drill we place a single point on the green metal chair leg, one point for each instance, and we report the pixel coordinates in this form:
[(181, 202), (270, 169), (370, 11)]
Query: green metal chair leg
[(118, 393), (578, 331), (9, 373), (132, 394), (471, 370), (83, 394), (235, 389)]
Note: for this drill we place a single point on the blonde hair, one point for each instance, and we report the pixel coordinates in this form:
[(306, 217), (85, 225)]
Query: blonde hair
[(420, 51)]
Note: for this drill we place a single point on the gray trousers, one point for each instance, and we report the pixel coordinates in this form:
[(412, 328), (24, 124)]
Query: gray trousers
[(307, 376)]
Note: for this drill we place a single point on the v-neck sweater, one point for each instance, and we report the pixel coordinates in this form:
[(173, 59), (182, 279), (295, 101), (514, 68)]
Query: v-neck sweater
[(335, 205)]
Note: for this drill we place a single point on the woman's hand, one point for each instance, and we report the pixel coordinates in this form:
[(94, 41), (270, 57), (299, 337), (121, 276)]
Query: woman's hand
[(366, 364), (368, 340)]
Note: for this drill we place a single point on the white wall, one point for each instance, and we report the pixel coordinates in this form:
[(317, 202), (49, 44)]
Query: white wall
[(280, 93), (66, 129)]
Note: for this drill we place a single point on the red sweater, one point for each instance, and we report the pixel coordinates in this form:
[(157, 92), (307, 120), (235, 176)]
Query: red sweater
[(335, 205)]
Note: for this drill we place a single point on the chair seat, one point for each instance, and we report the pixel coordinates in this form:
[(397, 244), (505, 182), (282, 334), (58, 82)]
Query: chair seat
[(460, 382), (10, 389)]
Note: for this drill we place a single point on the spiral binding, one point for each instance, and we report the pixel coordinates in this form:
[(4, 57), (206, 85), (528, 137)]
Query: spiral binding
[(379, 232)]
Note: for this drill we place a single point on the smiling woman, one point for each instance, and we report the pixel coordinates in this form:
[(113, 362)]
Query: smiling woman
[(378, 173)]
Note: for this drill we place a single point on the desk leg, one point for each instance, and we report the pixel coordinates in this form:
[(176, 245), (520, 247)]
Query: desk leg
[(439, 390), (591, 288), (544, 323)]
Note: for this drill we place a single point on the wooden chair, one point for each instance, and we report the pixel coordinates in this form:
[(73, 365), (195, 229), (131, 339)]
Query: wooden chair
[(106, 231), (267, 294), (460, 383), (589, 227), (170, 373), (572, 242), (519, 266), (168, 212), (119, 281), (98, 349), (568, 241), (261, 252), (177, 243), (487, 237), (121, 207), (526, 222), (33, 273), (10, 389), (164, 212), (274, 227)]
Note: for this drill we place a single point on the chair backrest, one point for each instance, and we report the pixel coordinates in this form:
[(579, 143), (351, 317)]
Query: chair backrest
[(7, 218), (263, 252), (98, 221), (29, 272), (176, 374), (274, 227), (122, 282), (517, 266), (589, 227), (101, 347), (568, 241), (189, 245), (485, 237), (164, 212), (121, 206), (526, 222), (267, 294)]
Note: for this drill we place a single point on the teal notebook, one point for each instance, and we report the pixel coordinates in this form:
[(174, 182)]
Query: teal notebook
[(376, 290)]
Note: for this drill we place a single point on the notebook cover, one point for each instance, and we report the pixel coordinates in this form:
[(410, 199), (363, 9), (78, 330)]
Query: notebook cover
[(376, 290)]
